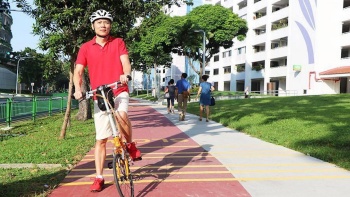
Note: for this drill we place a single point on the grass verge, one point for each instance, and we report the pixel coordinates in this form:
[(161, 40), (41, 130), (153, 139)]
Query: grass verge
[(38, 143)]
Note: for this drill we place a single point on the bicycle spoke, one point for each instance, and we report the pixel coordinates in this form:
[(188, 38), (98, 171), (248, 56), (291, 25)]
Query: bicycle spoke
[(122, 177)]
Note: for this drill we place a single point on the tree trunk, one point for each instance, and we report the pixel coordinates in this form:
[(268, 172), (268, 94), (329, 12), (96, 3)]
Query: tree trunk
[(84, 112), (68, 109)]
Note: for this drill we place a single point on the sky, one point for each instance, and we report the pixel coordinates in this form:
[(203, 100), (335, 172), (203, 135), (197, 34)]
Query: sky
[(22, 30)]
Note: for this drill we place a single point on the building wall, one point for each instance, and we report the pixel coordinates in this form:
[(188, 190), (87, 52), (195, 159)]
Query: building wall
[(7, 79)]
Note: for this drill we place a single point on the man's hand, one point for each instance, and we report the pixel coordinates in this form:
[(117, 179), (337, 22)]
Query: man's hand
[(124, 78), (78, 95)]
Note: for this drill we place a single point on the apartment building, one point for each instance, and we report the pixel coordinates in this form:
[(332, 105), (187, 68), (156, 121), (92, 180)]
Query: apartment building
[(293, 47), (7, 78)]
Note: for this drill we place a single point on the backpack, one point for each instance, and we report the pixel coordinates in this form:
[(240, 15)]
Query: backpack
[(109, 96)]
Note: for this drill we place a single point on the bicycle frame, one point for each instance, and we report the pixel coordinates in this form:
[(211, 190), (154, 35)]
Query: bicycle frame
[(121, 162)]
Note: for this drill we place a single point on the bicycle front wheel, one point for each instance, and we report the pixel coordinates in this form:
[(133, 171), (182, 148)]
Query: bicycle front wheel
[(122, 176)]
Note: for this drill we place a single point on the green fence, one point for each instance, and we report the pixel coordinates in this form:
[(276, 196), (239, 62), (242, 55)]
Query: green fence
[(24, 108)]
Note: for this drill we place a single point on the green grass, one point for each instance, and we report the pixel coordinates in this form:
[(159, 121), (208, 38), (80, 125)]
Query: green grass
[(38, 143), (143, 95), (315, 125)]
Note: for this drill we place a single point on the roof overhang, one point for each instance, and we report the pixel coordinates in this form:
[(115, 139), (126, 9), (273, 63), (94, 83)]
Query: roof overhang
[(343, 71)]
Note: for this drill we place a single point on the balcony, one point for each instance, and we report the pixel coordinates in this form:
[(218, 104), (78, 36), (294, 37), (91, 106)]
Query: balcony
[(259, 39), (345, 39), (257, 74), (259, 22), (240, 76), (280, 14), (345, 15), (259, 56), (260, 5), (242, 12), (279, 52), (240, 59), (279, 33), (227, 3), (280, 71)]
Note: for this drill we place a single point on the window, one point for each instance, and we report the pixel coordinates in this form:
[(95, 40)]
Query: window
[(216, 58), (226, 54), (227, 69), (241, 50), (216, 71), (240, 67), (163, 80), (163, 70)]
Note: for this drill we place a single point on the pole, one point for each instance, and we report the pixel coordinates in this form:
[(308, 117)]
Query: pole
[(204, 38), (21, 58), (17, 75)]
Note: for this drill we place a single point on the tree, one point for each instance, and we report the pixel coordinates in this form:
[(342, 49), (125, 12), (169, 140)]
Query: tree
[(221, 26)]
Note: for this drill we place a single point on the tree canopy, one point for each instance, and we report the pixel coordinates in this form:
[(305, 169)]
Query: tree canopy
[(164, 34)]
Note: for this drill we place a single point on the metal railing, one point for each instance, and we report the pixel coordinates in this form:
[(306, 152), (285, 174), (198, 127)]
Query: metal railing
[(26, 108)]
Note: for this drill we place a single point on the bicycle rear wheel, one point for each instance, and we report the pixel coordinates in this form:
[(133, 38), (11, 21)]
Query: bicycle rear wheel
[(122, 176)]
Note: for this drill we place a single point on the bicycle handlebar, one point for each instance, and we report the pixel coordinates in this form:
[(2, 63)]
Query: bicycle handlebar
[(89, 94)]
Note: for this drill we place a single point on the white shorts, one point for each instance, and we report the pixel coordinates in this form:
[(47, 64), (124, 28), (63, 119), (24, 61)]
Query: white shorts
[(102, 125)]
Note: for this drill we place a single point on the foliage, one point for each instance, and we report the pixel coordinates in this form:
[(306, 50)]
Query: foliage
[(163, 34), (221, 26), (151, 44)]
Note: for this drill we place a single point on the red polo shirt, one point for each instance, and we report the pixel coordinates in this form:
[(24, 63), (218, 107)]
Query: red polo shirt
[(103, 63)]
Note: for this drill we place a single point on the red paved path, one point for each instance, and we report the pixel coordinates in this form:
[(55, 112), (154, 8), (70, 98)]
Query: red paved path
[(173, 165)]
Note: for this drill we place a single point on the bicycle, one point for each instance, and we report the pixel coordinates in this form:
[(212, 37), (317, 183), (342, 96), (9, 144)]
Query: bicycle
[(121, 158)]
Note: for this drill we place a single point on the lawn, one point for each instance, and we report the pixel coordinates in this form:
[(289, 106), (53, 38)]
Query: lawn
[(38, 143)]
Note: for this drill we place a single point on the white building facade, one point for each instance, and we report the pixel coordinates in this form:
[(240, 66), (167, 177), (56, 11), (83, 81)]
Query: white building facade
[(293, 47)]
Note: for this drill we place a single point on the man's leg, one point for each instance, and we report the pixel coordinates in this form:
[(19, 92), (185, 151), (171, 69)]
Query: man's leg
[(185, 100), (103, 131), (100, 156), (125, 127), (180, 103)]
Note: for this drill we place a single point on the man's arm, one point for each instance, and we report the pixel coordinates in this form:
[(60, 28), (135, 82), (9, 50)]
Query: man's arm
[(77, 80), (126, 68)]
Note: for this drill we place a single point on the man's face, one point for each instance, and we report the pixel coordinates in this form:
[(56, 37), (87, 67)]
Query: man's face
[(102, 27)]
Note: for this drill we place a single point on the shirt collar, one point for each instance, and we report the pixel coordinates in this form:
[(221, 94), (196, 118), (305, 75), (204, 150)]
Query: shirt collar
[(93, 40)]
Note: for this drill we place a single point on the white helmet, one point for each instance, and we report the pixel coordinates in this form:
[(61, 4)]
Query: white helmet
[(100, 14)]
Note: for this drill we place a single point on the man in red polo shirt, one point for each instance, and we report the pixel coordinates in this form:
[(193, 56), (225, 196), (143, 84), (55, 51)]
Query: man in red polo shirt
[(107, 60)]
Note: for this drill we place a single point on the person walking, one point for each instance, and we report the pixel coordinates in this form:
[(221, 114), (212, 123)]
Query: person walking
[(246, 92), (107, 60), (170, 89), (204, 91), (182, 93)]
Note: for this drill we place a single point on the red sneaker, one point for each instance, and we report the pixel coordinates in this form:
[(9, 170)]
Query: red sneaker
[(97, 185), (133, 151)]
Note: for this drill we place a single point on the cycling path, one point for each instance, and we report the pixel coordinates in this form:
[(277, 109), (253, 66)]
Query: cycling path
[(196, 158), (173, 164)]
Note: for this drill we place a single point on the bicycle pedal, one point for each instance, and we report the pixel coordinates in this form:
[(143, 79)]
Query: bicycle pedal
[(110, 165), (138, 159)]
